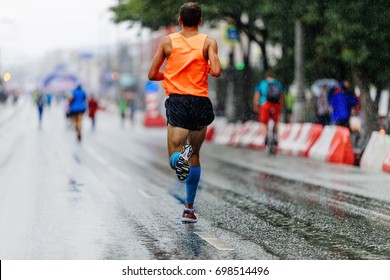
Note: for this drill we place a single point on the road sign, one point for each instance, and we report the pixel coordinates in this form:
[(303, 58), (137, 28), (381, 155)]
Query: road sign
[(232, 35)]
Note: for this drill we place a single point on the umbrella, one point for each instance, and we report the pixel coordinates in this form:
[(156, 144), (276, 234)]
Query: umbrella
[(318, 84)]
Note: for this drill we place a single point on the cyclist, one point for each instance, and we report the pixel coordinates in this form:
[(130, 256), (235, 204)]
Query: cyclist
[(268, 102)]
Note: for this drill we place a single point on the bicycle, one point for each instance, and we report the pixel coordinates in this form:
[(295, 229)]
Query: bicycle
[(271, 138)]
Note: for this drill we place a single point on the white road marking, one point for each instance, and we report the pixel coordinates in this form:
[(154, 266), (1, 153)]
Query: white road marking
[(215, 242), (95, 155), (147, 193), (104, 162), (120, 173)]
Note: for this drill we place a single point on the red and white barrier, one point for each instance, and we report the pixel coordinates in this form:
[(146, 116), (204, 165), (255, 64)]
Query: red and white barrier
[(284, 131), (254, 130), (300, 139), (214, 128), (210, 133), (386, 164), (244, 133), (333, 145), (287, 142), (224, 134), (239, 130), (153, 118), (257, 140), (374, 155)]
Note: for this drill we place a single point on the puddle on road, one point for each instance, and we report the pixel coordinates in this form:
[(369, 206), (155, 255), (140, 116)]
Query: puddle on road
[(303, 221)]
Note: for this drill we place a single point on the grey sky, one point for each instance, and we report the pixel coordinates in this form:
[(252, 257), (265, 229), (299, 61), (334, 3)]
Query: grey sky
[(29, 28)]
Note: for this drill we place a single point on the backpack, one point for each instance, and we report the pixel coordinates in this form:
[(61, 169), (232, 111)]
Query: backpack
[(274, 93)]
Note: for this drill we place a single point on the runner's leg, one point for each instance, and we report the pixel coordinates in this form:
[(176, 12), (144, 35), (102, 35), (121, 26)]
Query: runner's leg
[(79, 120), (176, 138), (195, 139)]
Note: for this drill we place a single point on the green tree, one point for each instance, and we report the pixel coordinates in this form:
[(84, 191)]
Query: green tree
[(343, 39), (360, 29), (154, 15)]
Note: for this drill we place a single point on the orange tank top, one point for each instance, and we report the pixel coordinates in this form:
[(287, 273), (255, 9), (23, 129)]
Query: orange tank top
[(186, 71)]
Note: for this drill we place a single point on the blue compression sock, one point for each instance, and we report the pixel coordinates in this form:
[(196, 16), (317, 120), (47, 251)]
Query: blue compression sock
[(173, 159), (192, 184)]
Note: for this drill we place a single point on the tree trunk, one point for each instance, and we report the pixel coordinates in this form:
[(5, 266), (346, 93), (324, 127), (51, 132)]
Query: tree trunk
[(369, 107), (300, 111)]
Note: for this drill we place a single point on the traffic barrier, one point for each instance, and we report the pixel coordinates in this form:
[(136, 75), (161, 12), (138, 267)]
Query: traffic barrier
[(215, 128), (224, 134), (243, 133), (210, 133), (237, 132), (374, 155), (288, 140), (333, 145), (386, 164), (257, 140), (152, 117), (300, 139), (247, 139), (284, 130)]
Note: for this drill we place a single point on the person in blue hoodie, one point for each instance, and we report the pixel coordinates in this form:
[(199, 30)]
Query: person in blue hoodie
[(342, 101), (77, 108)]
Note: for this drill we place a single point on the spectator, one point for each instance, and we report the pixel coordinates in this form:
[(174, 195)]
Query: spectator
[(93, 106), (322, 107), (342, 102), (288, 107)]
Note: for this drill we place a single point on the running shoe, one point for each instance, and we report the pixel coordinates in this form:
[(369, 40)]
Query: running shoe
[(189, 216), (182, 167)]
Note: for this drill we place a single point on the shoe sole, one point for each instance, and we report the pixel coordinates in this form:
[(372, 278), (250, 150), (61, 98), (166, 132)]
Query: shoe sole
[(186, 154), (182, 167), (188, 220)]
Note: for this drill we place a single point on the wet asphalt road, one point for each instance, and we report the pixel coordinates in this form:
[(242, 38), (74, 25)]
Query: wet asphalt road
[(114, 197)]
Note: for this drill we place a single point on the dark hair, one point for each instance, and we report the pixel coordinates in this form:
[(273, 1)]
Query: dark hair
[(190, 14), (269, 74)]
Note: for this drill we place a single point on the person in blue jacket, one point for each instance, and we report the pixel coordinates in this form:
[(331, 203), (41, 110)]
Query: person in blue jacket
[(342, 101), (77, 108)]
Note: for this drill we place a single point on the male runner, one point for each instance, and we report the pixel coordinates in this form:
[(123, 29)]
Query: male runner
[(77, 108), (190, 57)]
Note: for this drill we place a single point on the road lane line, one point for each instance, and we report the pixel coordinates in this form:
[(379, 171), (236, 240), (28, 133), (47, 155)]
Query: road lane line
[(104, 162), (215, 242), (120, 173), (96, 156), (147, 193)]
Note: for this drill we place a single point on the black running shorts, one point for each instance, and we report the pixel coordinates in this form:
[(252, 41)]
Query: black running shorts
[(188, 111)]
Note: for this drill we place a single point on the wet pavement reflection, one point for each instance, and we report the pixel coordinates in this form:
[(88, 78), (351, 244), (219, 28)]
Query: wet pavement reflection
[(295, 220)]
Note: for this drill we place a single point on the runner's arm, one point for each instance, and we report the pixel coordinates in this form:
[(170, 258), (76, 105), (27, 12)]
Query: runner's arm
[(215, 64), (154, 72)]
